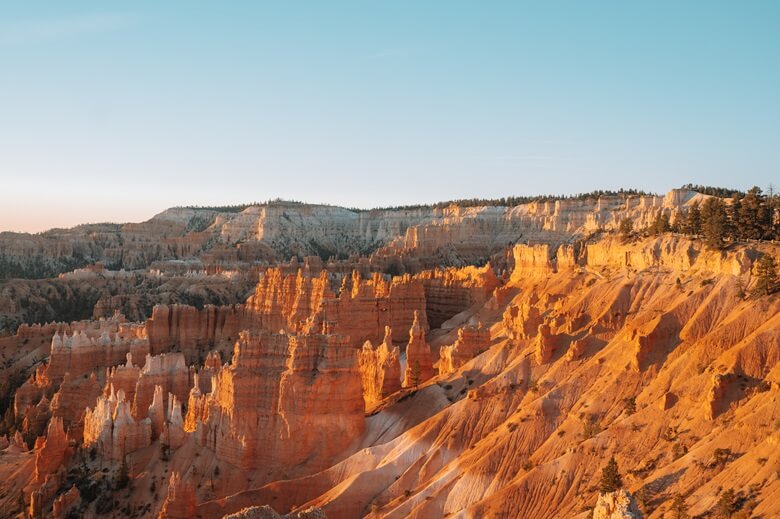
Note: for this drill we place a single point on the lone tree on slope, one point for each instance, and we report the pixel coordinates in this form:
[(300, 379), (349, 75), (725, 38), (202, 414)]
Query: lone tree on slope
[(679, 508), (766, 272), (610, 477), (626, 229)]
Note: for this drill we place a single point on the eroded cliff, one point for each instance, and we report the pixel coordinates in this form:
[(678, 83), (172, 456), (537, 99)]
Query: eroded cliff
[(488, 393)]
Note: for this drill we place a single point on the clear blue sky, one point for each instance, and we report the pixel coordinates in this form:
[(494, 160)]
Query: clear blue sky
[(113, 111)]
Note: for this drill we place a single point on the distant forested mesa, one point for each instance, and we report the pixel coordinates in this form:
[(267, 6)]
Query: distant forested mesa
[(753, 215), (721, 192), (512, 201), (237, 208), (729, 216), (507, 201)]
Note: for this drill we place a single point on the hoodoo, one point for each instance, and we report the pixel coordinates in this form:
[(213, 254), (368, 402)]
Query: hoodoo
[(419, 366), (380, 369), (539, 354), (473, 362)]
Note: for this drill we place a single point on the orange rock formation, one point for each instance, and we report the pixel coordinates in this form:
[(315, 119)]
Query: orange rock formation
[(419, 364), (648, 351), (111, 428), (380, 369), (472, 340), (274, 404), (51, 453)]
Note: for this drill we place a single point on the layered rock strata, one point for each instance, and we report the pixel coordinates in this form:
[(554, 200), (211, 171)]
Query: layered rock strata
[(191, 331), (111, 429), (453, 235), (83, 352), (169, 372), (363, 307), (51, 454), (451, 291), (273, 405)]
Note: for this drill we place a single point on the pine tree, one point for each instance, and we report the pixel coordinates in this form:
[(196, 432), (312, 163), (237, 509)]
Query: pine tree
[(610, 477), (766, 276), (656, 222), (733, 211), (764, 220), (750, 214), (693, 220), (660, 223), (774, 216), (626, 229), (676, 225), (664, 225), (714, 222)]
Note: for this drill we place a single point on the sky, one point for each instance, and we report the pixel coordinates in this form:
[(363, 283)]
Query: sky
[(114, 111)]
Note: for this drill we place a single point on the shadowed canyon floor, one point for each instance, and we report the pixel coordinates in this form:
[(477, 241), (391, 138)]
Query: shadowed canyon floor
[(337, 389)]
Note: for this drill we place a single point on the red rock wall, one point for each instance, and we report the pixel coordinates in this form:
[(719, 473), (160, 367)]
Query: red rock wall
[(293, 392), (451, 291), (189, 330), (303, 303)]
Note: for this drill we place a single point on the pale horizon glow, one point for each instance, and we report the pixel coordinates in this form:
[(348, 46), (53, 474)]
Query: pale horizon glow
[(114, 112)]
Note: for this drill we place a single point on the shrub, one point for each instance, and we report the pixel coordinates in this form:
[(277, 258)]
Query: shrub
[(727, 503), (590, 426), (629, 405), (721, 456)]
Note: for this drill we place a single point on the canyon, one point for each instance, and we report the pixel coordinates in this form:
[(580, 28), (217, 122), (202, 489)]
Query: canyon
[(293, 360)]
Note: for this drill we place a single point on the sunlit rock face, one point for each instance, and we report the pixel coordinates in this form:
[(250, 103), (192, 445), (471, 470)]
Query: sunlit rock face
[(450, 291), (419, 364), (51, 454), (67, 504), (169, 372), (283, 400), (380, 369), (180, 502), (360, 309)]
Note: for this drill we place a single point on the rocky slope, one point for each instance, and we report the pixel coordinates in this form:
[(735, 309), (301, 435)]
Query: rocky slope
[(454, 392)]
